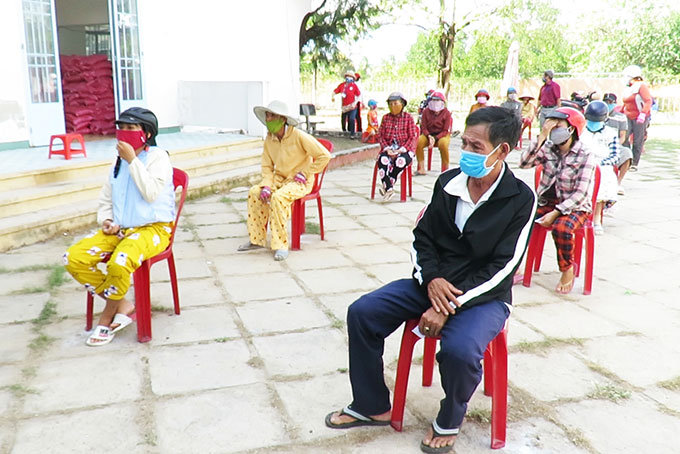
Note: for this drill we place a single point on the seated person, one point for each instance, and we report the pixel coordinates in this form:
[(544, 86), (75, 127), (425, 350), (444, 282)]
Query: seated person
[(467, 245), (371, 133), (136, 213), (617, 120), (397, 136), (482, 97), (602, 141), (290, 160), (565, 190), (435, 129), (511, 101)]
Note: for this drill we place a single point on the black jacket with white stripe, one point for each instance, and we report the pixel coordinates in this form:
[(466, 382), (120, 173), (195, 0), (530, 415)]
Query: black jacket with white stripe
[(481, 260)]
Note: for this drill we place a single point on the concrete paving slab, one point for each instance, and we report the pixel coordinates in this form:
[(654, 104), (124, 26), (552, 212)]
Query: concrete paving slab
[(209, 207), (6, 399), (314, 259), (574, 321), (13, 283), (260, 262), (188, 249), (181, 369), (402, 236), (105, 379), (218, 217), (14, 340), (285, 314), (342, 223), (666, 397), (316, 351), (192, 293), (636, 359), (69, 338), (371, 208), (603, 423), (540, 375), (519, 332), (339, 303), (193, 325), (58, 434), (224, 246), (329, 281), (249, 287), (391, 271), (222, 231), (342, 238), (21, 308), (378, 254), (186, 268), (218, 421)]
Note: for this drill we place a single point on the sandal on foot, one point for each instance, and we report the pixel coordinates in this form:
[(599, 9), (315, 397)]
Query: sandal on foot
[(122, 321), (567, 288), (440, 450), (248, 247), (281, 254), (101, 335), (359, 420)]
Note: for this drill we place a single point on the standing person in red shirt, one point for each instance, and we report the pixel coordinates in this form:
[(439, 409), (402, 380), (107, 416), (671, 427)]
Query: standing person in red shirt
[(548, 97), (637, 103), (350, 97), (397, 136), (435, 129)]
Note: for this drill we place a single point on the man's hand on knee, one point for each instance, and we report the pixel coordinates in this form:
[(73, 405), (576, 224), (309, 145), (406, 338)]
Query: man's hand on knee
[(432, 322), (442, 295)]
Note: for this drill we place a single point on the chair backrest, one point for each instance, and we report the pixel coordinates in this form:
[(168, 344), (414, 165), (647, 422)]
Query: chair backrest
[(307, 109), (179, 178), (596, 186), (318, 178)]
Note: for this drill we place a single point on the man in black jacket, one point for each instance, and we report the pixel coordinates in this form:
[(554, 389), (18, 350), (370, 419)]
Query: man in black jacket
[(468, 244)]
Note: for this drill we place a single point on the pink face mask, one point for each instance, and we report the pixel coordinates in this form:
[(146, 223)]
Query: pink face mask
[(435, 105), (482, 99), (136, 139)]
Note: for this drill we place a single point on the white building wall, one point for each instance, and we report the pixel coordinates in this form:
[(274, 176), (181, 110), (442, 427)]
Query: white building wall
[(13, 75), (220, 41)]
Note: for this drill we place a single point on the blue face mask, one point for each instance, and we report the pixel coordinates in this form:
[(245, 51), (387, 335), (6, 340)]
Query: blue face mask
[(594, 126), (474, 164), (611, 107), (349, 80)]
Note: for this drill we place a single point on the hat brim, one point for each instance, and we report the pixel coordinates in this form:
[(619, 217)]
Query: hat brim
[(397, 98), (128, 121), (261, 114), (558, 115), (526, 97)]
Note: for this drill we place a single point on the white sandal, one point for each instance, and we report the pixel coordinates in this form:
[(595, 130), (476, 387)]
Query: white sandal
[(122, 320), (101, 335)]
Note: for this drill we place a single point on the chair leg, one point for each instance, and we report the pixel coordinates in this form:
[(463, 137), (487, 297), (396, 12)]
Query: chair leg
[(429, 351), (88, 311), (404, 183), (499, 401), (590, 262), (408, 341), (303, 224), (410, 180), (578, 251), (488, 371), (320, 208), (429, 157), (540, 245), (143, 301), (295, 226), (375, 176), (173, 282)]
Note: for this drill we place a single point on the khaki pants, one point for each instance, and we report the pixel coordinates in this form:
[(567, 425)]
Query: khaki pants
[(127, 254), (275, 213), (442, 144)]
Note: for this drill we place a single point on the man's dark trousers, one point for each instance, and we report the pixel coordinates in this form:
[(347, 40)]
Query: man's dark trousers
[(464, 338)]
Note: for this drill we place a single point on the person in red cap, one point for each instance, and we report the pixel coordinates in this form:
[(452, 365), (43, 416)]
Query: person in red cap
[(565, 191), (482, 97), (435, 129)]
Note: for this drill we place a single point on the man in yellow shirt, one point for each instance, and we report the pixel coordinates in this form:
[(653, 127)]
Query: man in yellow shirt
[(290, 160)]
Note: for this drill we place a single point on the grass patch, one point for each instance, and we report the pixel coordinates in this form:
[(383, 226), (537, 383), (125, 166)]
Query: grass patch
[(578, 439), (312, 228), (157, 308), (222, 340), (546, 344), (41, 342), (672, 385), (342, 370), (23, 269), (479, 415), (338, 324), (30, 290), (602, 371), (46, 314), (21, 390), (233, 199), (57, 277), (609, 392), (28, 372)]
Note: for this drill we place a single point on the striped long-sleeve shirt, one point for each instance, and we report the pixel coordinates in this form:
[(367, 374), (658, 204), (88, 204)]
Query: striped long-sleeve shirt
[(571, 174)]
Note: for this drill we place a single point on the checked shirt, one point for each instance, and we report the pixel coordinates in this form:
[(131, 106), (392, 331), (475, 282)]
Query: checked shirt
[(398, 129)]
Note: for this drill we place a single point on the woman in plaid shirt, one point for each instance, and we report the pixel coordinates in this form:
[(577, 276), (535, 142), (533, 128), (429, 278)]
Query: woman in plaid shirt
[(397, 136), (565, 189)]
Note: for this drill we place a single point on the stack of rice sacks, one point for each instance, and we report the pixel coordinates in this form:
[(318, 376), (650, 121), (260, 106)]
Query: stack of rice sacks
[(87, 85)]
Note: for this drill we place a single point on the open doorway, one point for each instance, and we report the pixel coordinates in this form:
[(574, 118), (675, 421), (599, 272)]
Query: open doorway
[(85, 53)]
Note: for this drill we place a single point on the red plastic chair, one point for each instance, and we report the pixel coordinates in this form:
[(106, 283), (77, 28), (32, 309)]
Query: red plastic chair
[(141, 276), (67, 140), (298, 208), (495, 378), (429, 157), (585, 232), (406, 181)]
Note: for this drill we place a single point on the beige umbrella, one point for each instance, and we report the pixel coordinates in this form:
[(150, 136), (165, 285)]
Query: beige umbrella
[(511, 73)]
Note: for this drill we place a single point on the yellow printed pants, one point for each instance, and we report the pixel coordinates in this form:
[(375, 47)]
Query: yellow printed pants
[(442, 144), (276, 212), (127, 254)]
